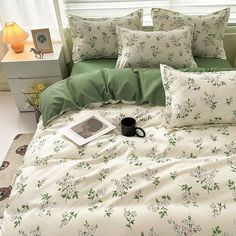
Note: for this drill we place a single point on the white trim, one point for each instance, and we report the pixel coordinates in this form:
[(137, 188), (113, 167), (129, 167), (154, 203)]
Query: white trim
[(61, 31)]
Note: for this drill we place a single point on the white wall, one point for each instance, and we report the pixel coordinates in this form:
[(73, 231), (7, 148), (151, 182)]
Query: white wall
[(3, 80)]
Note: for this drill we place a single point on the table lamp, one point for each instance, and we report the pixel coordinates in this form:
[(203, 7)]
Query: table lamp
[(15, 35)]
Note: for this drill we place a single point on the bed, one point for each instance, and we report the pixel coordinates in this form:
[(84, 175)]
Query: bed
[(174, 181), (96, 64), (179, 182)]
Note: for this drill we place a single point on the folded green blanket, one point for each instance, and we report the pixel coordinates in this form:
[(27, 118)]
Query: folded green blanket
[(78, 91)]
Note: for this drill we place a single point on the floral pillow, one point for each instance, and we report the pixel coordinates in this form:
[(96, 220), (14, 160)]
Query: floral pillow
[(95, 38), (208, 29), (150, 49), (197, 98)]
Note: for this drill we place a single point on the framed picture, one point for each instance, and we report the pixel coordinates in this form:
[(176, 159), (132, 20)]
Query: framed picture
[(42, 40), (87, 129)]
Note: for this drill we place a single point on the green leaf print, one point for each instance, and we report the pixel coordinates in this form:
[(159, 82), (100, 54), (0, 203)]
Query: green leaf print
[(186, 155), (160, 206), (188, 196), (58, 145), (130, 218), (21, 184), (229, 101), (68, 187), (150, 175), (108, 212), (88, 230), (46, 205), (151, 232), (17, 218), (81, 151), (185, 109), (209, 100), (217, 208), (67, 217), (205, 178), (134, 160), (173, 175), (232, 165), (192, 84), (232, 187), (35, 232), (173, 139), (138, 195), (123, 185), (185, 226), (103, 174), (217, 231), (94, 198), (230, 149), (83, 165), (40, 182)]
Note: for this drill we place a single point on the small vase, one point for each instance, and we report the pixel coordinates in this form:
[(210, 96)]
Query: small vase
[(37, 114)]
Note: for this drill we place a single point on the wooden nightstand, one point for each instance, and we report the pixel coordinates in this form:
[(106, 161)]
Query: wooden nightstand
[(24, 70)]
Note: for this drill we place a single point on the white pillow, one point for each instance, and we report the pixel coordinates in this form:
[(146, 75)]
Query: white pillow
[(95, 38), (150, 49), (208, 29), (197, 98)]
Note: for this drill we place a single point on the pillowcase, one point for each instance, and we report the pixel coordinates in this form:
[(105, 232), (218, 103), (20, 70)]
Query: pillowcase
[(95, 38), (150, 49), (208, 29), (197, 98)]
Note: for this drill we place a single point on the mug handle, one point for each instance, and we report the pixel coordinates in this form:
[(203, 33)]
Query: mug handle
[(141, 136)]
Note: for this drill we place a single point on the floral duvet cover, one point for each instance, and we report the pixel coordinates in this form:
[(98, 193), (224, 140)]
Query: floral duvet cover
[(179, 182)]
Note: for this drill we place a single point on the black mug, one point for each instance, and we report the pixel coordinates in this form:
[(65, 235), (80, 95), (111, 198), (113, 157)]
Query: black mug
[(128, 128)]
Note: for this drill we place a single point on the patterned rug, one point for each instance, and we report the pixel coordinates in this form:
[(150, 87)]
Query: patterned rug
[(10, 167)]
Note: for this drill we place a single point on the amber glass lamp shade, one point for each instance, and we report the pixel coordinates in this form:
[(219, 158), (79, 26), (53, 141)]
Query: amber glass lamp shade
[(15, 35)]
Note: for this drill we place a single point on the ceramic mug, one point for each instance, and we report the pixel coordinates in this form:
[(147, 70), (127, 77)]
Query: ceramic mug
[(128, 128)]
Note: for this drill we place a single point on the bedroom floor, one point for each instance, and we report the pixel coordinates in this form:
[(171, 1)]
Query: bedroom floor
[(12, 122)]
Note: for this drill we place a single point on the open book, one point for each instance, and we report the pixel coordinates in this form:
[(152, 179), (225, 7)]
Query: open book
[(87, 129)]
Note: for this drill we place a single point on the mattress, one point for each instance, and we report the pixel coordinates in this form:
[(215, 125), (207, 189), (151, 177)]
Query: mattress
[(96, 64)]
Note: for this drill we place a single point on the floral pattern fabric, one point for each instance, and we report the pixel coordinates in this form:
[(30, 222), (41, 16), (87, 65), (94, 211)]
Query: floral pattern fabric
[(208, 29), (178, 182), (149, 49), (95, 38), (199, 98)]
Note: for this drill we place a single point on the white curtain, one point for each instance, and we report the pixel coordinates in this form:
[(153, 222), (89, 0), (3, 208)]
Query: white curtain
[(30, 14), (35, 14)]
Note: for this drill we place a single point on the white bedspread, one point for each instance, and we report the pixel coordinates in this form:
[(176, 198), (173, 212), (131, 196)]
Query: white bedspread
[(181, 182)]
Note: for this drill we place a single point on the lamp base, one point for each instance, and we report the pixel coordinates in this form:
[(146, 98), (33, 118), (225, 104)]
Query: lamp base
[(18, 47)]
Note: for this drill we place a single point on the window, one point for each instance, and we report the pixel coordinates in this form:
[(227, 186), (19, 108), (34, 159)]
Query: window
[(111, 8)]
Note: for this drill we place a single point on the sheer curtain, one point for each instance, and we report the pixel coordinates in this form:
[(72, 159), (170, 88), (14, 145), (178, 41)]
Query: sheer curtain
[(30, 14), (33, 14)]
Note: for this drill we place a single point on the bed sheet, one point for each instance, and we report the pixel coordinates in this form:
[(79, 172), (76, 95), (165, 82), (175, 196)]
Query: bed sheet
[(96, 64), (179, 182)]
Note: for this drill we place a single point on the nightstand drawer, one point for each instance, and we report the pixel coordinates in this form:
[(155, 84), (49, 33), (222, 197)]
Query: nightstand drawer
[(21, 103), (24, 85), (32, 68)]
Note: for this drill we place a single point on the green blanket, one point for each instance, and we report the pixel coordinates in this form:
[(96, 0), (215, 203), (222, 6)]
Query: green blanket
[(110, 63), (78, 91)]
